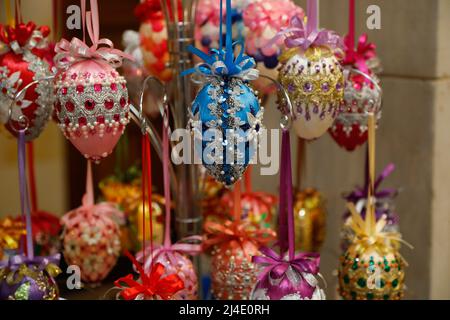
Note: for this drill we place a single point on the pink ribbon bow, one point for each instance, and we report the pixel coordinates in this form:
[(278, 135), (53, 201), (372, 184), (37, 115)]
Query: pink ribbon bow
[(298, 35), (359, 57), (69, 53), (278, 266)]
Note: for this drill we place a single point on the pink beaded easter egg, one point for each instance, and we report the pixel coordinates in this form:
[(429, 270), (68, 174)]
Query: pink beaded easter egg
[(91, 240), (92, 107)]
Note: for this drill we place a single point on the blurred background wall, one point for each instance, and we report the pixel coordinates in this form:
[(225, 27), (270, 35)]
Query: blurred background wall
[(413, 133)]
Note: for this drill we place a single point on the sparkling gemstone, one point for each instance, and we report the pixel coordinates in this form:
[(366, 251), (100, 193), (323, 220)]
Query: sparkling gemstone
[(109, 104), (116, 117), (73, 76), (89, 104), (325, 87), (338, 86), (316, 109), (114, 86), (291, 87), (82, 121), (101, 119), (80, 88), (64, 91), (70, 107), (308, 87), (66, 121), (97, 87), (123, 102)]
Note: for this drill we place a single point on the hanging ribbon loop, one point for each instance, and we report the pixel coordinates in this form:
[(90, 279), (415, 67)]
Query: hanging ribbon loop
[(101, 50)]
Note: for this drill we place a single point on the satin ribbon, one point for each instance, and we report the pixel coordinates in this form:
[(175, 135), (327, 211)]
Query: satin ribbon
[(151, 284), (18, 267), (241, 232), (102, 50), (358, 58), (297, 35), (222, 62), (368, 232), (24, 197), (276, 266), (359, 195), (23, 38), (89, 208)]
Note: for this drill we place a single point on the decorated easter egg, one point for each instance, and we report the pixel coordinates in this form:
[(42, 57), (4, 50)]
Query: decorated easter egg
[(29, 279), (264, 19), (23, 50), (233, 274), (362, 95), (46, 233), (309, 220), (174, 263), (371, 273), (153, 39), (226, 118), (282, 279), (207, 23), (91, 240), (92, 107), (314, 81)]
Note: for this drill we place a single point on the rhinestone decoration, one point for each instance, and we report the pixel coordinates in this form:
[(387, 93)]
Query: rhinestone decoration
[(314, 82), (233, 274), (371, 275), (36, 104), (92, 106), (230, 108), (361, 96)]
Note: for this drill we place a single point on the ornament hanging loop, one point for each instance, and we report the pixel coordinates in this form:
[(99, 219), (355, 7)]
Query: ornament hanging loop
[(22, 123), (144, 124), (285, 121)]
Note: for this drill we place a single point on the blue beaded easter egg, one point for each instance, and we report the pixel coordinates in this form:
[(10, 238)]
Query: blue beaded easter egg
[(226, 118)]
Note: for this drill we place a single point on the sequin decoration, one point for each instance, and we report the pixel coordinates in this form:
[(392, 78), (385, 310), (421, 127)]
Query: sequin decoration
[(29, 281), (232, 272), (371, 275), (226, 120), (314, 81), (22, 61), (92, 107)]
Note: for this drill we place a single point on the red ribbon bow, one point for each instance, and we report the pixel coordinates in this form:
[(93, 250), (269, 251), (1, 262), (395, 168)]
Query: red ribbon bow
[(218, 233), (23, 37), (359, 57), (151, 285)]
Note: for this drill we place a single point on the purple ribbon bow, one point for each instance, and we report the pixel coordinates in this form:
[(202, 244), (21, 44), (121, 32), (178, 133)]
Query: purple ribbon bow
[(277, 266), (361, 193), (298, 34), (16, 261)]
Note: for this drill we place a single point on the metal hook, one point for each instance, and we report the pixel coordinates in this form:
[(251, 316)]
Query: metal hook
[(23, 122), (285, 121)]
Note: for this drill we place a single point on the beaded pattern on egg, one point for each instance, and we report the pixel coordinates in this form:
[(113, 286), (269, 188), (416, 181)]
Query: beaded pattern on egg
[(89, 104), (93, 244), (233, 273), (371, 276), (360, 97), (314, 82)]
